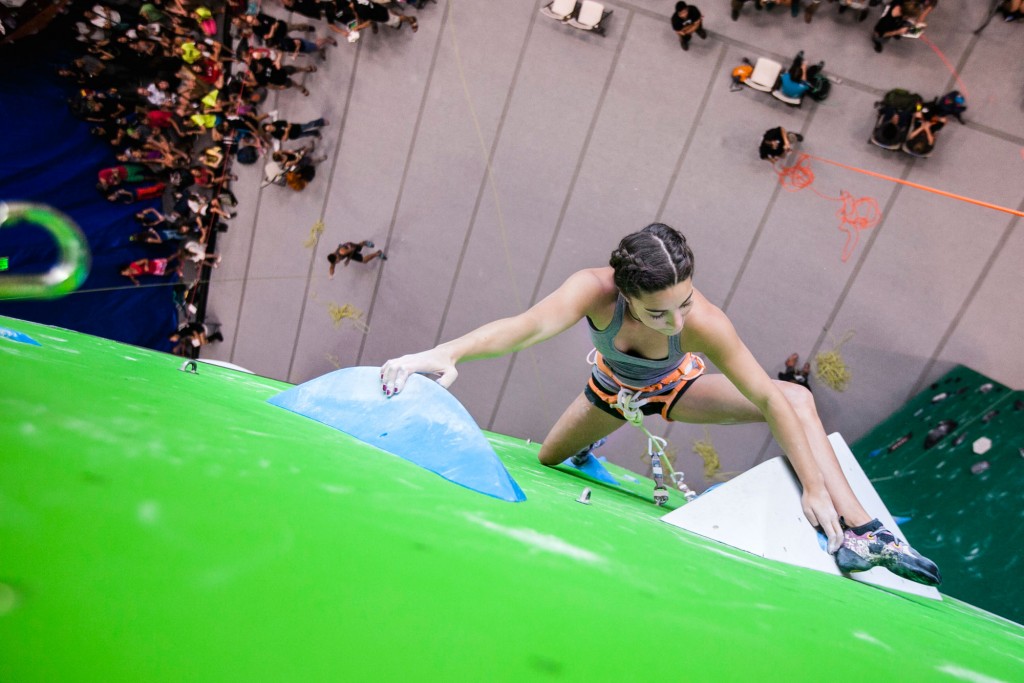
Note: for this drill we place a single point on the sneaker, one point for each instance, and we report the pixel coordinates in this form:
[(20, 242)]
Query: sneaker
[(872, 545)]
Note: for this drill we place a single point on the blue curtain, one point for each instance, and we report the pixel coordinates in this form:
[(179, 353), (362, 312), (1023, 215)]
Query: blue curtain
[(50, 157)]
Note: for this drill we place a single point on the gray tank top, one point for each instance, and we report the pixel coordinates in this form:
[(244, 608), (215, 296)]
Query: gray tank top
[(630, 369)]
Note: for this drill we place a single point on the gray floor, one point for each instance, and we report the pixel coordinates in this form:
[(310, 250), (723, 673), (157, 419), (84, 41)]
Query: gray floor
[(496, 151)]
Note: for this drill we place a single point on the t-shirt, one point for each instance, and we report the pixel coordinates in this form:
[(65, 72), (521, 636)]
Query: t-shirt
[(692, 17), (158, 118), (792, 87), (210, 71), (265, 71), (280, 128), (771, 144), (113, 175), (265, 24), (887, 22), (371, 11)]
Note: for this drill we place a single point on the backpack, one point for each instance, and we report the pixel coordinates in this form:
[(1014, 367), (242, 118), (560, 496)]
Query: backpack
[(901, 100), (295, 180), (820, 87), (951, 104)]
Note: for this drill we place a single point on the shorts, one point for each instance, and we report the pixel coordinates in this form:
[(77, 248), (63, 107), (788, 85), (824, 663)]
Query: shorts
[(661, 398)]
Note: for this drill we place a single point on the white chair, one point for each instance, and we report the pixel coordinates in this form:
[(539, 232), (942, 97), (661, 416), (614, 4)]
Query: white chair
[(765, 75), (590, 17), (791, 101), (559, 10)]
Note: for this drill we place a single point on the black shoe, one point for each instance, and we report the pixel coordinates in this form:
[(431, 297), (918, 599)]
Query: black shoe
[(368, 244), (702, 33), (736, 14), (685, 44), (863, 15), (843, 8), (383, 257), (799, 137), (878, 45), (215, 337)]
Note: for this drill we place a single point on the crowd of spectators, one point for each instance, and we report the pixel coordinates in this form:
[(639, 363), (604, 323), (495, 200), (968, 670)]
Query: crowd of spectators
[(175, 87)]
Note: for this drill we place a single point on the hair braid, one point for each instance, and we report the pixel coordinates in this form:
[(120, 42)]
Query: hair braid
[(651, 259)]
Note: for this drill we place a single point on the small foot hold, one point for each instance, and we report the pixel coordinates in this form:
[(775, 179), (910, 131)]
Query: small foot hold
[(585, 496)]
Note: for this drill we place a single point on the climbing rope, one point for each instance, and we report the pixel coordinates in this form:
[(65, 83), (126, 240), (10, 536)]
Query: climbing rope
[(830, 367)]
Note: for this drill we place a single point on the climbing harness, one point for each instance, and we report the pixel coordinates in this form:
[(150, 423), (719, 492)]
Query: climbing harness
[(629, 402)]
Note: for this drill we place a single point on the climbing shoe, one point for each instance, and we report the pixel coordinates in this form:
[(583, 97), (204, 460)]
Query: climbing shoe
[(872, 545)]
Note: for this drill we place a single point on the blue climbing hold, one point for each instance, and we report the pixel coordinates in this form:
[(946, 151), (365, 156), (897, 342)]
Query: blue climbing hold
[(593, 468), (424, 424), (14, 335)]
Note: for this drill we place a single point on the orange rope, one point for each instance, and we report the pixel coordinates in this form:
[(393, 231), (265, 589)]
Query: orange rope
[(918, 186), (855, 214)]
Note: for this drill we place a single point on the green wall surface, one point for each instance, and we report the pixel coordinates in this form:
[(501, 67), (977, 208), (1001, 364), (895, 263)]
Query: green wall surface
[(159, 525), (965, 509)]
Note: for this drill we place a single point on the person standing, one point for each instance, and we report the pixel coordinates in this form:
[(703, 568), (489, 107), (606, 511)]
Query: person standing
[(686, 21)]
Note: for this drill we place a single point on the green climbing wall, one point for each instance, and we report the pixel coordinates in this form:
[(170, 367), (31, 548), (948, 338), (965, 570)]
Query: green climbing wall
[(965, 508), (158, 525)]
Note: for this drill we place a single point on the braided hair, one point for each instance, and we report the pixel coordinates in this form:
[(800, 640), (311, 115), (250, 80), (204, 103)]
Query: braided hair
[(651, 260)]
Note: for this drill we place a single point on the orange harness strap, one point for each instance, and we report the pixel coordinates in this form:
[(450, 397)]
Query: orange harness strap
[(690, 368)]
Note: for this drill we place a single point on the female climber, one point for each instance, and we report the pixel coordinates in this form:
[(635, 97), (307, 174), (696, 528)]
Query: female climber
[(647, 321)]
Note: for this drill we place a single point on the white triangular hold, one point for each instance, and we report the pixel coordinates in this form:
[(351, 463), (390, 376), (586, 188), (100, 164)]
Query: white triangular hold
[(760, 512)]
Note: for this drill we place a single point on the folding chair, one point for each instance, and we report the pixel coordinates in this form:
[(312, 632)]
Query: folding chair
[(590, 17), (765, 75), (559, 10), (780, 95)]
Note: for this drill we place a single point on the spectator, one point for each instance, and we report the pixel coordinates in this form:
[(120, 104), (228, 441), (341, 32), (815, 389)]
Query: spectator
[(926, 123), (686, 21), (777, 142), (276, 77), (737, 5), (791, 374), (353, 251), (369, 13), (147, 266), (283, 130), (795, 81), (893, 22)]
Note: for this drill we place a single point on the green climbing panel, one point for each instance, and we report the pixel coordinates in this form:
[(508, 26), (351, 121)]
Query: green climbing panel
[(964, 507), (158, 525)]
